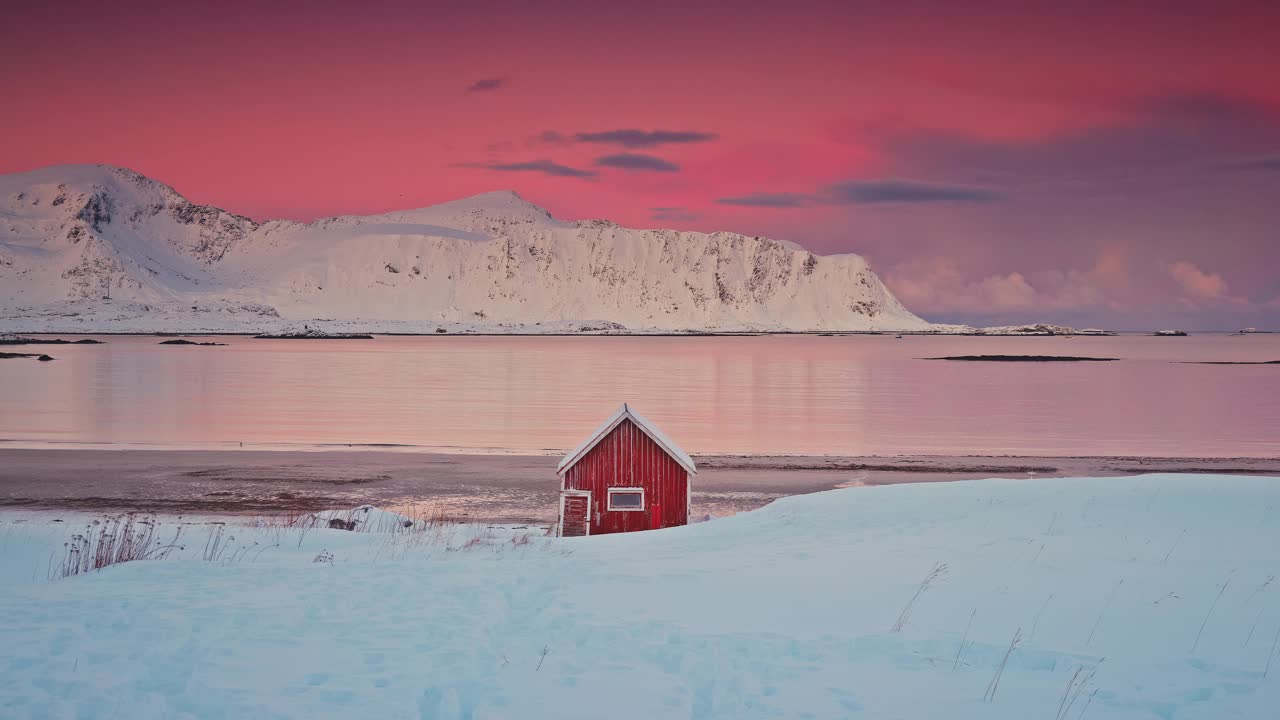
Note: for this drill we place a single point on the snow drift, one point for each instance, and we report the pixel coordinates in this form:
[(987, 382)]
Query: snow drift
[(1146, 597), (87, 247)]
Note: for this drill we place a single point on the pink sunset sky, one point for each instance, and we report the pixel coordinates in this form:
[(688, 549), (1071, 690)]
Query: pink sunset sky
[(1105, 163)]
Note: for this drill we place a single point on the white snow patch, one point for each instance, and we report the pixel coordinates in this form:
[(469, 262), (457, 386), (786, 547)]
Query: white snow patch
[(784, 612)]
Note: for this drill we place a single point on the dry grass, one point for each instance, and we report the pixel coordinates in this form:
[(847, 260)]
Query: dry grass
[(420, 532), (1036, 623), (450, 532), (215, 546), (111, 541), (1261, 588), (365, 518), (1271, 655), (994, 685), (1075, 686), (937, 573), (1209, 613), (1174, 546), (964, 639), (1110, 599)]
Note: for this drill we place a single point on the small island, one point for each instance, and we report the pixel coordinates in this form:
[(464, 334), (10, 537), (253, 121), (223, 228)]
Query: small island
[(8, 339), (1234, 362), (1023, 358), (10, 356), (181, 341)]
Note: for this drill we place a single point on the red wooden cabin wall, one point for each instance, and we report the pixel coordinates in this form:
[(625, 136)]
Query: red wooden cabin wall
[(627, 457)]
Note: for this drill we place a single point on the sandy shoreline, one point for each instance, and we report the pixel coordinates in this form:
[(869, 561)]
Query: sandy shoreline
[(499, 488)]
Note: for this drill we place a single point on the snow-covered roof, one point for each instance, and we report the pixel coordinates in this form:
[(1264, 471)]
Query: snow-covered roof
[(625, 412)]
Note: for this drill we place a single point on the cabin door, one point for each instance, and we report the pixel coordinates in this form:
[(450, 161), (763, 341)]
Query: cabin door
[(575, 513)]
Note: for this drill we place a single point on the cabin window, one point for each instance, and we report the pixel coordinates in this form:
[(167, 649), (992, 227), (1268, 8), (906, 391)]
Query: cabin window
[(626, 499)]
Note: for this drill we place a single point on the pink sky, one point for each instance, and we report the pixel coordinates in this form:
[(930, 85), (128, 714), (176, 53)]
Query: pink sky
[(1097, 165)]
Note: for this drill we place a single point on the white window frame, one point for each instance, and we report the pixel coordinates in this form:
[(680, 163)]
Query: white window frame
[(628, 490)]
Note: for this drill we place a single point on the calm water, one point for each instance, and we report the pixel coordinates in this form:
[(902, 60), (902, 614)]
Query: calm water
[(853, 395)]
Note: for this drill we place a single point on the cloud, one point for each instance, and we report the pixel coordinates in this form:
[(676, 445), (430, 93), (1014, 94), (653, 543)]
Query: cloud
[(546, 167), (1169, 140), (906, 191), (487, 84), (1207, 110), (673, 214), (1119, 287), (769, 200), (548, 137), (630, 138), (1196, 282), (635, 161), (859, 192), (1269, 163), (938, 285)]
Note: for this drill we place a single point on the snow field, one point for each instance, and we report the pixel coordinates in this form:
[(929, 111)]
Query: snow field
[(786, 612)]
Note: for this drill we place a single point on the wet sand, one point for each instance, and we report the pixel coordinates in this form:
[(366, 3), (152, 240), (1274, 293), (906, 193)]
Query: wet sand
[(494, 488)]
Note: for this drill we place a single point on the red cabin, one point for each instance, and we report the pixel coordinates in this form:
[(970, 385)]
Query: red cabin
[(627, 476)]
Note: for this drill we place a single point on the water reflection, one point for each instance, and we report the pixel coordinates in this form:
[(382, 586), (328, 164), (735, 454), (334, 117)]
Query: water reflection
[(762, 395)]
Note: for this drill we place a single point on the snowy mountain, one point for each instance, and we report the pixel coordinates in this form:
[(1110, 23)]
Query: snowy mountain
[(94, 247)]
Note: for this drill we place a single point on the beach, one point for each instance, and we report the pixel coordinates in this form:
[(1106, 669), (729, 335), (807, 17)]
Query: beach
[(480, 487)]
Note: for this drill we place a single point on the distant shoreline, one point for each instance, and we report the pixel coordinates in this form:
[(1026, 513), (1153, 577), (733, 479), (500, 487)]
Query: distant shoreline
[(619, 333), (752, 333)]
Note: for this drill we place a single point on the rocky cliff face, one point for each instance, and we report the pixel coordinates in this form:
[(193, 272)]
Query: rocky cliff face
[(97, 245)]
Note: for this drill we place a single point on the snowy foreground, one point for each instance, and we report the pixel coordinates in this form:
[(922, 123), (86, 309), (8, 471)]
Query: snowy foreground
[(1148, 597)]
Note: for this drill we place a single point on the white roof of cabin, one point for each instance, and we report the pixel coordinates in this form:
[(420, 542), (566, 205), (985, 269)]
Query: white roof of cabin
[(623, 413)]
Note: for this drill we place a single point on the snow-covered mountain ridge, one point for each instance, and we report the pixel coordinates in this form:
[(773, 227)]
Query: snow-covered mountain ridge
[(94, 247)]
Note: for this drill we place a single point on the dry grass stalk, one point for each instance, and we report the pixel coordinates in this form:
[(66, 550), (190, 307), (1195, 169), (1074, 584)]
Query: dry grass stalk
[(1076, 685), (1261, 588), (1165, 561), (1036, 623), (545, 649), (217, 548), (1256, 618), (964, 638), (1272, 654), (939, 570), (994, 685), (1087, 703), (1103, 611), (1212, 605)]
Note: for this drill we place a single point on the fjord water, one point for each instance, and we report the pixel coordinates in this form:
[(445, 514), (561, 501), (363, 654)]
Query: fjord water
[(783, 394)]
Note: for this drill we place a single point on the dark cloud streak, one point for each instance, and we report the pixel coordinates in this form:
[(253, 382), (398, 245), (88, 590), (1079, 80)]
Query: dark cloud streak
[(866, 192), (637, 162), (487, 85), (1264, 164), (549, 137), (632, 138), (861, 192), (1173, 138), (768, 200), (546, 167), (673, 214)]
